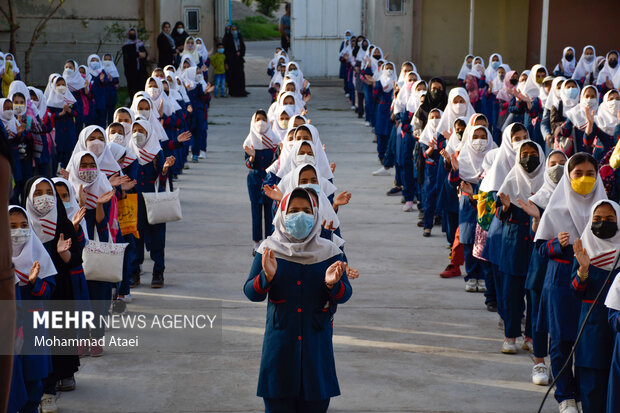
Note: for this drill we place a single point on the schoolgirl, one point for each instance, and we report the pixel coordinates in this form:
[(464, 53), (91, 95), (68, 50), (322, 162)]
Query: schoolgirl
[(466, 67), (604, 124), (612, 302), (17, 140), (383, 91), (566, 66), (584, 71), (99, 86), (569, 98), (606, 78), (561, 224), (198, 92), (42, 147), (111, 97), (62, 115)]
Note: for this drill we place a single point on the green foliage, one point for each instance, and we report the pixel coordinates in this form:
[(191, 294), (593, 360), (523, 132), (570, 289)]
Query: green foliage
[(257, 28), (266, 7), (116, 33)]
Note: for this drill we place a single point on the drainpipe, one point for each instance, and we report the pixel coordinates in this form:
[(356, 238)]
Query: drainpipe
[(471, 26), (543, 32)]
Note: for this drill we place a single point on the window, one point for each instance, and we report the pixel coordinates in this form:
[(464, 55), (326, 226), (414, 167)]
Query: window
[(192, 20), (394, 7)]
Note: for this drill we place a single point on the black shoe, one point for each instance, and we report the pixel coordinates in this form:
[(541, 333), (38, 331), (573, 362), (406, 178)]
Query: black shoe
[(134, 279), (492, 307), (66, 384), (427, 232), (395, 191), (158, 280), (119, 307)]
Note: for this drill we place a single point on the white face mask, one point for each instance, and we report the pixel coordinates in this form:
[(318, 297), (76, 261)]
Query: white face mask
[(262, 126), (61, 90), (180, 30), (613, 105), (479, 145), (20, 236), (291, 108), (459, 108), (144, 113), (126, 127), (389, 72), (44, 203), (117, 138), (19, 109), (515, 145), (198, 77), (434, 122), (97, 146), (7, 114), (589, 102), (139, 138), (107, 63), (305, 158), (153, 92)]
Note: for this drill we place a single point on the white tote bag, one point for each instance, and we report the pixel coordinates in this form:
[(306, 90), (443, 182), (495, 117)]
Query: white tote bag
[(162, 206), (103, 261)]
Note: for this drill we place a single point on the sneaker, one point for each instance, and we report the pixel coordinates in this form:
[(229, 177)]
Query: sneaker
[(568, 406), (426, 233), (451, 271), (48, 403), (186, 166), (346, 95), (471, 285), (127, 298), (195, 159), (449, 246), (528, 344), (420, 215), (82, 351), (509, 346), (67, 384), (353, 108), (382, 172), (158, 280), (367, 123), (203, 155), (482, 287), (492, 307), (96, 351), (396, 191), (408, 206)]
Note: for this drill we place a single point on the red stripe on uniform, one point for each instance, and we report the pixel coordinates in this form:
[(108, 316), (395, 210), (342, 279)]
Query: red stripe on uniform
[(256, 285), (340, 292), (42, 290)]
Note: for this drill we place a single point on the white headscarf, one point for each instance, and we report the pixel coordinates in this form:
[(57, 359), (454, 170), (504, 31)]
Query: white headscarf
[(299, 78), (109, 67), (520, 184), (567, 210), (275, 126), (43, 225), (8, 120), (41, 104), (503, 163), (464, 69), (608, 72), (48, 87), (531, 87), (498, 84), (313, 249), (94, 189), (14, 67), (584, 67), (553, 100), (491, 73), (258, 139), (152, 146), (470, 160), (157, 129), (87, 76), (326, 210), (91, 71), (289, 163), (387, 80), (606, 117), (194, 54), (429, 134), (73, 206), (402, 76), (568, 66), (602, 252), (29, 252), (449, 114), (106, 162), (406, 90), (202, 50), (276, 106), (577, 114), (568, 103), (75, 81), (55, 99), (413, 102), (541, 197)]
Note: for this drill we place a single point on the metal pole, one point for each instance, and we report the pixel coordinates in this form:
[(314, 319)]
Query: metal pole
[(471, 26), (229, 12), (544, 32)]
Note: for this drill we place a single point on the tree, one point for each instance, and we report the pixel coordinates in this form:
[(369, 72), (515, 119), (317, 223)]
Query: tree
[(117, 33), (9, 14), (266, 7)]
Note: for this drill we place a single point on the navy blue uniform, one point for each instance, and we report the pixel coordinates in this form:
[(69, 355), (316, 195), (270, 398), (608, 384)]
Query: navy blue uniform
[(260, 203)]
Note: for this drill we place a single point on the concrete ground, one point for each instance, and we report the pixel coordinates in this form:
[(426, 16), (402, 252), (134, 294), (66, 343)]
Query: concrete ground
[(407, 341)]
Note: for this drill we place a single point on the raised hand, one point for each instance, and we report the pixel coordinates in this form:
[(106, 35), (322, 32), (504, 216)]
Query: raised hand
[(82, 195), (342, 198), (454, 162), (505, 200), (105, 198), (63, 244), (352, 273), (466, 188), (563, 238), (117, 180), (328, 225), (78, 217), (63, 173), (126, 186), (270, 265), (273, 192), (184, 137), (582, 256), (334, 273), (332, 166), (250, 150), (34, 272), (529, 208), (169, 162)]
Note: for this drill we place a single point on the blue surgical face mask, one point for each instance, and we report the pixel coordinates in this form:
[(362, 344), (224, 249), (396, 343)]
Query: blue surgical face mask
[(67, 205), (95, 64), (293, 72), (571, 93), (495, 65), (298, 224), (315, 187), (220, 50)]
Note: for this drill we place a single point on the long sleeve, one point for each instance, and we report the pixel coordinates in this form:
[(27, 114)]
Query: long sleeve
[(256, 286)]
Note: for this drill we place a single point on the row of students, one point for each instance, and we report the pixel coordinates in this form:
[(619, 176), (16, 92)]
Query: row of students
[(523, 206), (300, 265)]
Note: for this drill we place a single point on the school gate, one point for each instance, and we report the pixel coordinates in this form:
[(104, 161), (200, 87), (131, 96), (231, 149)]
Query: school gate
[(317, 30)]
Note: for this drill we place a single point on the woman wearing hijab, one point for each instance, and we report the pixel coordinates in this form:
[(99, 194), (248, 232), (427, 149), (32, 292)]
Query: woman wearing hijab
[(383, 91), (51, 225), (134, 61), (607, 76), (436, 98), (79, 88), (464, 71), (466, 175), (563, 222), (179, 35), (35, 271), (111, 87), (60, 108), (198, 92), (569, 98), (524, 179), (235, 58), (166, 47), (525, 105), (298, 371), (259, 146), (584, 71), (370, 67), (19, 140), (535, 207), (604, 124), (595, 254), (100, 80), (566, 66), (42, 127)]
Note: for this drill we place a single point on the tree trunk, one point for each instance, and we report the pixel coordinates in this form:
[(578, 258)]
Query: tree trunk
[(10, 17), (36, 33)]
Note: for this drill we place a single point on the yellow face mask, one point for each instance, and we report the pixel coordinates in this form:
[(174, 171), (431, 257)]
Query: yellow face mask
[(583, 185)]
